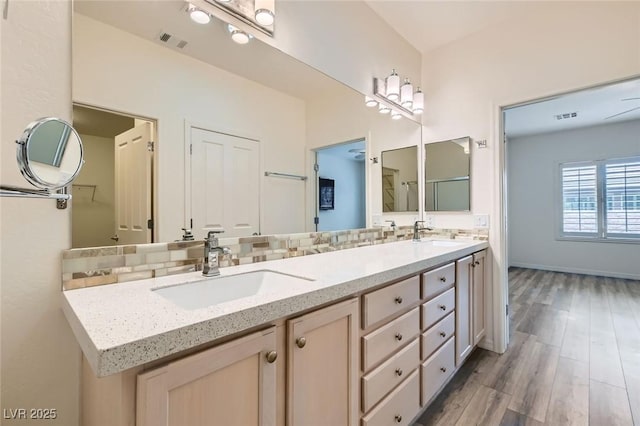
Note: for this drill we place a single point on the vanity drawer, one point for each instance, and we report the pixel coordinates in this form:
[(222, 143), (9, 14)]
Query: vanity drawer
[(437, 369), (438, 280), (433, 338), (399, 408), (438, 308), (389, 300), (384, 341), (387, 376)]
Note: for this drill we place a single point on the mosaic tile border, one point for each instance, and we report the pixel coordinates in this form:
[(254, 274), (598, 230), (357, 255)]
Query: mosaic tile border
[(87, 267)]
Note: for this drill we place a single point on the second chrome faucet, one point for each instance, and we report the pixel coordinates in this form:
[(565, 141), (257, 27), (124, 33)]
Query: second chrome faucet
[(417, 229), (211, 267)]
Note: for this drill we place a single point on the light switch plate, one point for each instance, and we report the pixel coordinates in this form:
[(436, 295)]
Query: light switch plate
[(480, 220)]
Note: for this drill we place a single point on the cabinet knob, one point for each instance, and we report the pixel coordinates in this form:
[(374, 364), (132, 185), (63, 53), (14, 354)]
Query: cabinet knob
[(443, 279), (399, 372), (398, 300), (398, 418), (272, 356), (443, 334), (301, 342), (477, 262), (443, 369), (398, 337), (443, 307)]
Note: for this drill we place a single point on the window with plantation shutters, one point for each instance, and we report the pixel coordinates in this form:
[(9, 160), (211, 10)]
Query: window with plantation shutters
[(601, 199)]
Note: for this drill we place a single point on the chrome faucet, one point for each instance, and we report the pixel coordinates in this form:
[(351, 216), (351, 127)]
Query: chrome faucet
[(393, 224), (417, 229), (210, 267)]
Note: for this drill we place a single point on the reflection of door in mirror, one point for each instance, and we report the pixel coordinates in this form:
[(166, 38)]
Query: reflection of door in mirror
[(112, 196), (447, 177), (225, 184), (400, 180)]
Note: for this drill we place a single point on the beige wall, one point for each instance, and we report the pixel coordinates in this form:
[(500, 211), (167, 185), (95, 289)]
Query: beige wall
[(40, 357), (566, 47), (93, 220)]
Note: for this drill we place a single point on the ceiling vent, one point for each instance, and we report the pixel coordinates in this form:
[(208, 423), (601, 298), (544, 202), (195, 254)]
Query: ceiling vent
[(566, 115), (171, 40)]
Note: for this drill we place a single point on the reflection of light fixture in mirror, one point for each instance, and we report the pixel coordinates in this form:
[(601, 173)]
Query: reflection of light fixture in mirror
[(370, 102), (393, 86), (197, 15), (238, 36), (406, 94), (384, 109), (418, 102), (395, 115), (265, 12)]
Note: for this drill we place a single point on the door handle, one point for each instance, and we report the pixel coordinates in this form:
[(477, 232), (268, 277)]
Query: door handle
[(115, 238)]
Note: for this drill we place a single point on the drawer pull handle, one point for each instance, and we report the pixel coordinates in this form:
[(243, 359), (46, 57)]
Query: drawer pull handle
[(443, 307), (272, 356), (443, 334), (398, 337), (443, 369), (398, 300), (443, 279), (398, 418), (399, 372), (301, 342)]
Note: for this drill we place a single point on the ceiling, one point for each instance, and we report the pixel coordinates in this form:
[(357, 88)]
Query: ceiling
[(89, 121)]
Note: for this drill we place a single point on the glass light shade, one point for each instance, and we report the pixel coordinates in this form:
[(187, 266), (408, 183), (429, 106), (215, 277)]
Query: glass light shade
[(406, 94), (238, 36), (393, 86), (265, 12), (384, 109), (370, 102), (198, 16), (395, 115), (418, 102)]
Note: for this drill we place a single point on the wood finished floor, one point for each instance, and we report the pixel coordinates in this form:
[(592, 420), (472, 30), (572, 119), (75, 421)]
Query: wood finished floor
[(573, 359)]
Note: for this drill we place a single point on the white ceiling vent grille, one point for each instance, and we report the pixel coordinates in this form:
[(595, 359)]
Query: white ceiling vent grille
[(566, 115), (171, 40)]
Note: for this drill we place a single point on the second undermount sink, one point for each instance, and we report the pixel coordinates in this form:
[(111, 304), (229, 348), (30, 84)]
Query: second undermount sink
[(211, 291), (442, 243)]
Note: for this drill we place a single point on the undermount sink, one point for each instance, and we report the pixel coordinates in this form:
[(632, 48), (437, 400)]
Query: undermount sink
[(211, 291), (442, 243)]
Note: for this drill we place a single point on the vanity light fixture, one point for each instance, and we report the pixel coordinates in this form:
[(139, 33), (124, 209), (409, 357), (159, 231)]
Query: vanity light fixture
[(396, 98), (370, 102), (265, 12), (197, 15), (418, 102), (392, 83), (238, 35), (406, 94), (396, 115), (383, 109)]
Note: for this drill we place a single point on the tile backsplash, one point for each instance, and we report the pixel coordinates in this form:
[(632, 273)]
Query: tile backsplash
[(87, 267)]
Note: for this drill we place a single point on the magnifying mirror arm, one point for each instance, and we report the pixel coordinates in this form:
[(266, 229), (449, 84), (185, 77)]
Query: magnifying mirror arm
[(14, 191)]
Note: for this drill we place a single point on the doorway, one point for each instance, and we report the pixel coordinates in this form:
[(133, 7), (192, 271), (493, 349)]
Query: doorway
[(341, 186), (113, 194)]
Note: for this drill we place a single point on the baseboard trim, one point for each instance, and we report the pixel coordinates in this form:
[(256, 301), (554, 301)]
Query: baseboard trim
[(576, 271), (486, 344)]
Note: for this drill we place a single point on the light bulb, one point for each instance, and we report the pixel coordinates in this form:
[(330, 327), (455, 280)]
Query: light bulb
[(418, 102), (197, 15), (370, 102), (393, 86), (384, 109), (406, 94), (265, 12)]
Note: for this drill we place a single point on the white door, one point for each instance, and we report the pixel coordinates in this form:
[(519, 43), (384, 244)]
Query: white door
[(225, 184), (133, 158)]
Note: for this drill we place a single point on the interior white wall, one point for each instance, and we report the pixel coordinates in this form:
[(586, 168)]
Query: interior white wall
[(568, 46), (40, 356), (181, 89), (349, 201), (93, 221), (532, 173)]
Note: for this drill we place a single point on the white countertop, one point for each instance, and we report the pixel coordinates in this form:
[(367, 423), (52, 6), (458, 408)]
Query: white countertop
[(121, 326)]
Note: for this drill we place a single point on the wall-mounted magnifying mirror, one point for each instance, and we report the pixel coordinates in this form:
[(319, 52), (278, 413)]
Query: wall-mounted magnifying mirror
[(447, 177), (400, 180), (49, 157)]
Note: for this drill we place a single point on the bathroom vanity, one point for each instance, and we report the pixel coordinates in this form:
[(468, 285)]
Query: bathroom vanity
[(364, 336)]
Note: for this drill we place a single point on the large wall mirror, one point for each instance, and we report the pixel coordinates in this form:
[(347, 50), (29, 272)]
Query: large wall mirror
[(447, 177), (167, 105), (400, 180)]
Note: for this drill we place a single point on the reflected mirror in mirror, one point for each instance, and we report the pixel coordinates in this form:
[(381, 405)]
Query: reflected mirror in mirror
[(400, 180), (225, 115), (447, 177), (50, 153)]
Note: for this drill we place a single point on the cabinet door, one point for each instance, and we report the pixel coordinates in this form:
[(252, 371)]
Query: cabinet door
[(322, 361), (464, 311), (233, 384), (478, 296)]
